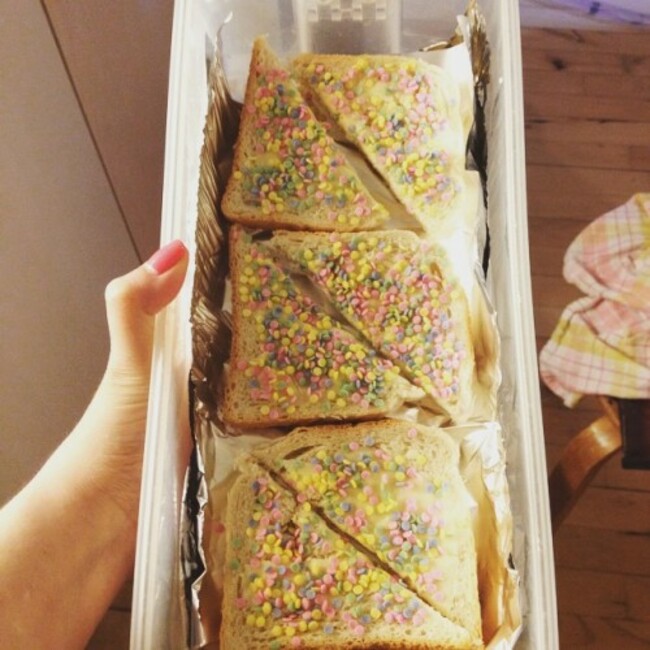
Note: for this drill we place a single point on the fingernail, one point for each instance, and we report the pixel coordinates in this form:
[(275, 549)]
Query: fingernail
[(167, 257)]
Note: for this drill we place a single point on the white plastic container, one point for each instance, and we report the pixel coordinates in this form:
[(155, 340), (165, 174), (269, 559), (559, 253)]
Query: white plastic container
[(158, 613)]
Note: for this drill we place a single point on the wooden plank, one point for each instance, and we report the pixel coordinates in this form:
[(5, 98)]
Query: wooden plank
[(631, 41), (546, 318), (595, 633), (610, 551), (599, 155), (598, 182), (581, 192), (628, 133), (553, 233), (547, 260), (609, 509), (539, 105), (605, 595), (568, 82), (553, 291), (611, 475), (582, 60), (561, 423)]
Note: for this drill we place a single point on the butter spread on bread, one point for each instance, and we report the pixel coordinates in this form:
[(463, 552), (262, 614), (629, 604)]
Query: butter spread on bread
[(395, 489)]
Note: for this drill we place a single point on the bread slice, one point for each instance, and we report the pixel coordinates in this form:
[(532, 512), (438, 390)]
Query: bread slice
[(399, 292), (290, 361), (394, 488), (291, 581), (287, 170), (404, 115)]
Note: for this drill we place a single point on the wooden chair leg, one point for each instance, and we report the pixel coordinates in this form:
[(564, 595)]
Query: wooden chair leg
[(580, 461)]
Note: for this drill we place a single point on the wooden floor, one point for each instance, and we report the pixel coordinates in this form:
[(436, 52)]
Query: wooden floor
[(587, 102)]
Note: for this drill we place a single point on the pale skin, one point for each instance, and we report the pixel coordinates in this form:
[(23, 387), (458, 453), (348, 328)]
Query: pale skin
[(67, 540)]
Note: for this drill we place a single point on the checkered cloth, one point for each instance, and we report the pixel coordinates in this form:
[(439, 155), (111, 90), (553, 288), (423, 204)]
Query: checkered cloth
[(601, 344)]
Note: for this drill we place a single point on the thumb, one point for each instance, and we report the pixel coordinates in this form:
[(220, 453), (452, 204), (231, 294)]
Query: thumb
[(132, 302)]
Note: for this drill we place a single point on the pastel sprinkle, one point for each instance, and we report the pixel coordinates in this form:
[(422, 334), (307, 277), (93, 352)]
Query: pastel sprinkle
[(303, 358), (322, 577), (406, 532), (293, 166), (383, 292), (395, 111)]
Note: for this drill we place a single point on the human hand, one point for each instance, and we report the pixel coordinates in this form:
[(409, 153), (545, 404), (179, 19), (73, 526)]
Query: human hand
[(116, 417), (67, 540)]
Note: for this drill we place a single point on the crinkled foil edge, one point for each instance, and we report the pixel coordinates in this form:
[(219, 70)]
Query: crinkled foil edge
[(210, 332)]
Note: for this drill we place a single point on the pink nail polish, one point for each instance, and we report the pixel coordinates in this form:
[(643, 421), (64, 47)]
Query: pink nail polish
[(167, 257)]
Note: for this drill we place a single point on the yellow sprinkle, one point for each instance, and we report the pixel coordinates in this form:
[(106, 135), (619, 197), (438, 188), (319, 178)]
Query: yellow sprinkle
[(276, 631), (265, 410), (260, 621), (289, 631), (267, 608)]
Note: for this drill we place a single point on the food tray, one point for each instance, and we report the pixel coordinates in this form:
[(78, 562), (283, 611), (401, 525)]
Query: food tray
[(158, 610)]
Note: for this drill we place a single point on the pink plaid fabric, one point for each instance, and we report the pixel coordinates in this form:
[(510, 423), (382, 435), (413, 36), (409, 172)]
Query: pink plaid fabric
[(601, 345)]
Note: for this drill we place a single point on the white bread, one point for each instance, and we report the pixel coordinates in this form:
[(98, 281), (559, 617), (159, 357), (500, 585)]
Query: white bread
[(290, 362), (404, 115), (287, 170), (400, 293), (291, 581), (395, 489)]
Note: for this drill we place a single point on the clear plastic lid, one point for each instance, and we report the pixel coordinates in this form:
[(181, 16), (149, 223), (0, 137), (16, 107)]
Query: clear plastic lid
[(349, 26)]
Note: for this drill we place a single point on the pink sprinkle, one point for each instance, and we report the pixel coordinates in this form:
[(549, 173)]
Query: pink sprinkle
[(412, 433), (354, 446)]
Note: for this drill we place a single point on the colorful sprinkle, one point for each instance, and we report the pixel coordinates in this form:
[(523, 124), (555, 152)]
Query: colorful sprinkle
[(291, 164), (303, 357), (396, 295), (324, 583), (397, 113), (403, 531)]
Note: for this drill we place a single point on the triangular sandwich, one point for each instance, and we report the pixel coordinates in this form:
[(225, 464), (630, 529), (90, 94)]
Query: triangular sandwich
[(404, 115), (290, 361), (287, 170), (292, 582), (400, 293), (395, 489)]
